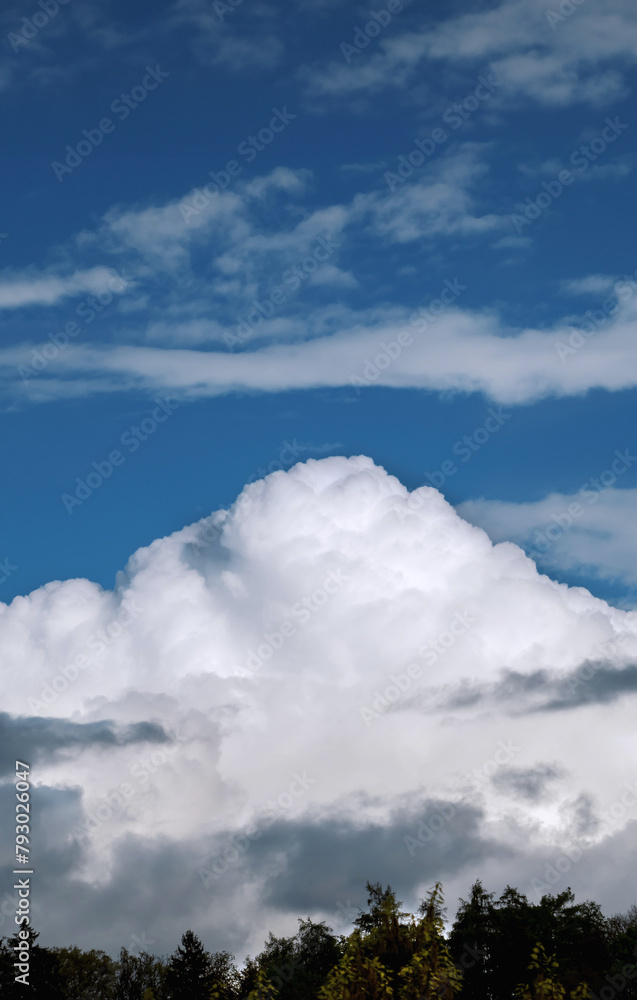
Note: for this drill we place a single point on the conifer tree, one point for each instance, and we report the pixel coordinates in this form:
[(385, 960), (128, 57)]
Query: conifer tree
[(45, 981), (189, 972)]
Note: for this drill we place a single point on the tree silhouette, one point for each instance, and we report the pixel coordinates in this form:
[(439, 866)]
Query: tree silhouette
[(263, 988), (546, 984), (224, 978), (471, 942), (138, 975), (86, 974), (189, 971), (298, 966), (492, 940), (45, 980), (389, 955), (622, 950)]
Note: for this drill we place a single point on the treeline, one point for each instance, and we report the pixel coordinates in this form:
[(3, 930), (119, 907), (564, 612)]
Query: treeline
[(496, 949)]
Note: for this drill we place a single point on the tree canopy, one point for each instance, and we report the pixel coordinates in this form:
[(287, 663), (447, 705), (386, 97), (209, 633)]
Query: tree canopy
[(504, 948)]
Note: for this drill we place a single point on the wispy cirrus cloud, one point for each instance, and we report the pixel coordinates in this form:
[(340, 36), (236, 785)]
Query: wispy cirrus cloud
[(459, 351), (584, 62), (587, 531), (21, 291)]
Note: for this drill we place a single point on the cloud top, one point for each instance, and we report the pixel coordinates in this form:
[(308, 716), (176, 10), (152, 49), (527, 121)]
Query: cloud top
[(333, 657)]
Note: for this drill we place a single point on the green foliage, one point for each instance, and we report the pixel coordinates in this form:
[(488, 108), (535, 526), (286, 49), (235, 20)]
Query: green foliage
[(392, 954), (224, 977), (576, 953), (546, 984), (357, 976), (431, 971), (263, 988), (138, 975), (297, 966), (87, 975)]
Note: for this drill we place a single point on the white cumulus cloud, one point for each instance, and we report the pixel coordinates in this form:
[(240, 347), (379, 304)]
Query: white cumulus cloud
[(329, 664)]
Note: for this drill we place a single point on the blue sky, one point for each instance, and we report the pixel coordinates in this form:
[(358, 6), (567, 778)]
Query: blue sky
[(223, 74), (238, 236)]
